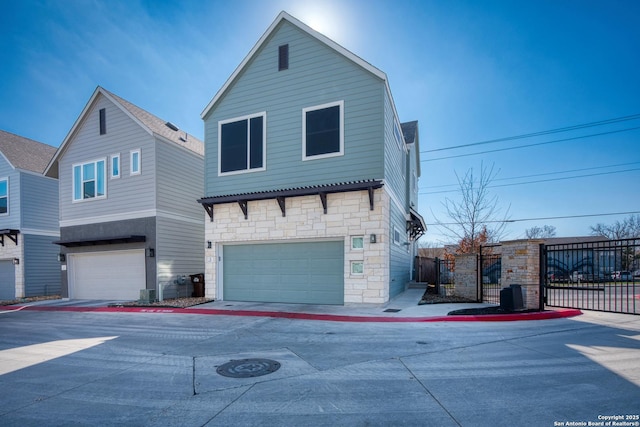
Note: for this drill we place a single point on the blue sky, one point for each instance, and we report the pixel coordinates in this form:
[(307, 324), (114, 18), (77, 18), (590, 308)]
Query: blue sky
[(468, 71)]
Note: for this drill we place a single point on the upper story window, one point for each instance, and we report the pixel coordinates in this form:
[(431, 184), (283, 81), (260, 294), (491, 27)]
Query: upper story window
[(135, 162), (4, 196), (242, 146), (115, 166), (89, 180), (323, 131), (103, 121)]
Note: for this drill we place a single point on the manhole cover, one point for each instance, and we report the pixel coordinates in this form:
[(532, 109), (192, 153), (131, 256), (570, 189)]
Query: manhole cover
[(248, 368)]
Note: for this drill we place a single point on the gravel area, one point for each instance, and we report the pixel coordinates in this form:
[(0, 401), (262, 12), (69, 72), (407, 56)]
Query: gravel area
[(28, 300), (173, 302), (429, 298)]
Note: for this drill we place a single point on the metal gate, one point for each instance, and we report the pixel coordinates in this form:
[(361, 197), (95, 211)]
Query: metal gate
[(601, 276), (490, 267)]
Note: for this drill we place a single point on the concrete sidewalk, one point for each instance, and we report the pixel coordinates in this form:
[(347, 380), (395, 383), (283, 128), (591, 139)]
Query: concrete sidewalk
[(403, 308)]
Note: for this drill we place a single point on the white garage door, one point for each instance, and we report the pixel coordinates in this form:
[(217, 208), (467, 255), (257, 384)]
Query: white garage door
[(115, 275)]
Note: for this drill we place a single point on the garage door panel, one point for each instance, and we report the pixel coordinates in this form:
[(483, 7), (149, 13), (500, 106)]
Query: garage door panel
[(7, 280), (310, 272), (112, 275)]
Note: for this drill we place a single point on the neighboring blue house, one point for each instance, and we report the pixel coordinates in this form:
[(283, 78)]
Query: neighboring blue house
[(28, 219), (129, 221), (311, 181)]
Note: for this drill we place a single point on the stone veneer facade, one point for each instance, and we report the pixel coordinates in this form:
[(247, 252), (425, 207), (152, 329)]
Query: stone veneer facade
[(348, 214), (521, 266), (466, 276), (12, 251)]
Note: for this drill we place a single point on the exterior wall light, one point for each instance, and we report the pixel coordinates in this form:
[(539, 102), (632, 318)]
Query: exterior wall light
[(372, 238)]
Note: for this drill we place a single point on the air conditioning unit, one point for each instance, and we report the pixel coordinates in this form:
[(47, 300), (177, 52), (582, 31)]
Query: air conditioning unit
[(147, 295)]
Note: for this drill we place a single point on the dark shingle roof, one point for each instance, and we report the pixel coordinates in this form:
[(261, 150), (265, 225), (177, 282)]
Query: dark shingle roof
[(159, 126), (409, 130), (25, 153)]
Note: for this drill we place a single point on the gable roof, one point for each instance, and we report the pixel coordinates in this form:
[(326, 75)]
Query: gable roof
[(284, 16), (153, 125), (25, 153)]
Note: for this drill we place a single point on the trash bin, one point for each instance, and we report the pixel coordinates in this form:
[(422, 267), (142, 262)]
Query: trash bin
[(198, 285), (517, 297), (511, 298), (506, 299)]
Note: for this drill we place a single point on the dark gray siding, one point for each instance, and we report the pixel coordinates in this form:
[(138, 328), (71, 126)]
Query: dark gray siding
[(41, 266), (317, 75)]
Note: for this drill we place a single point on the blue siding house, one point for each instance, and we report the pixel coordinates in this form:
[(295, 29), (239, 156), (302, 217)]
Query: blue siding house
[(310, 177), (129, 220), (28, 219)]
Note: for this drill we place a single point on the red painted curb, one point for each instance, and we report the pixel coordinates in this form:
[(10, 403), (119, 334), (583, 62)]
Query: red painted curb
[(542, 315)]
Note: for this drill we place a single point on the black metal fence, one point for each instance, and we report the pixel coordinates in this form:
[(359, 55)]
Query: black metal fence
[(490, 267), (601, 276), (437, 272)]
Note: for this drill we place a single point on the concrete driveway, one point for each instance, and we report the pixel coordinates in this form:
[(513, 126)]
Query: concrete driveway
[(117, 368)]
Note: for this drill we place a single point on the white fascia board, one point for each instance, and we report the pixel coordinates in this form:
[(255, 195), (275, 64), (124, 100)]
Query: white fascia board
[(304, 27), (98, 91)]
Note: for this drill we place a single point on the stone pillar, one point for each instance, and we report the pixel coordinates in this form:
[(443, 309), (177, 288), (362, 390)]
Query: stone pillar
[(521, 266), (466, 276)]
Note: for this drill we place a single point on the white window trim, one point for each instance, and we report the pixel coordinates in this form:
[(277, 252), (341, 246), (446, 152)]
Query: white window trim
[(304, 130), (131, 171), (352, 263), (6, 178), (73, 181), (353, 248), (262, 114), (111, 175)]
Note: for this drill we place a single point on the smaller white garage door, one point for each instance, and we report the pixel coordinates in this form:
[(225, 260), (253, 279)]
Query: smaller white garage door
[(115, 275)]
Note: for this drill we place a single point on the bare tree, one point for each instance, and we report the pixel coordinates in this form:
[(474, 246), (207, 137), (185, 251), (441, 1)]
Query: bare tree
[(625, 229), (475, 218), (544, 232)]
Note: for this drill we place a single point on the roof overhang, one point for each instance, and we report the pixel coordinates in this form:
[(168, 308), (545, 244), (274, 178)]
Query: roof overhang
[(415, 225), (10, 233), (101, 241), (284, 16), (280, 195)]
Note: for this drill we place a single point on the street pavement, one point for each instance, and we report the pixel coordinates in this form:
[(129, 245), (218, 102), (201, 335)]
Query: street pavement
[(153, 368)]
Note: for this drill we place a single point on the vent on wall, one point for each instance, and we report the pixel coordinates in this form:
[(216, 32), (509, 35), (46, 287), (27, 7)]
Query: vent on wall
[(283, 57), (103, 121)]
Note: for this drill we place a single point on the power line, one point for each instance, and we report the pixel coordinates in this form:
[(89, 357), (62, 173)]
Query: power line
[(546, 132), (542, 174), (541, 218), (538, 181), (531, 145)]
